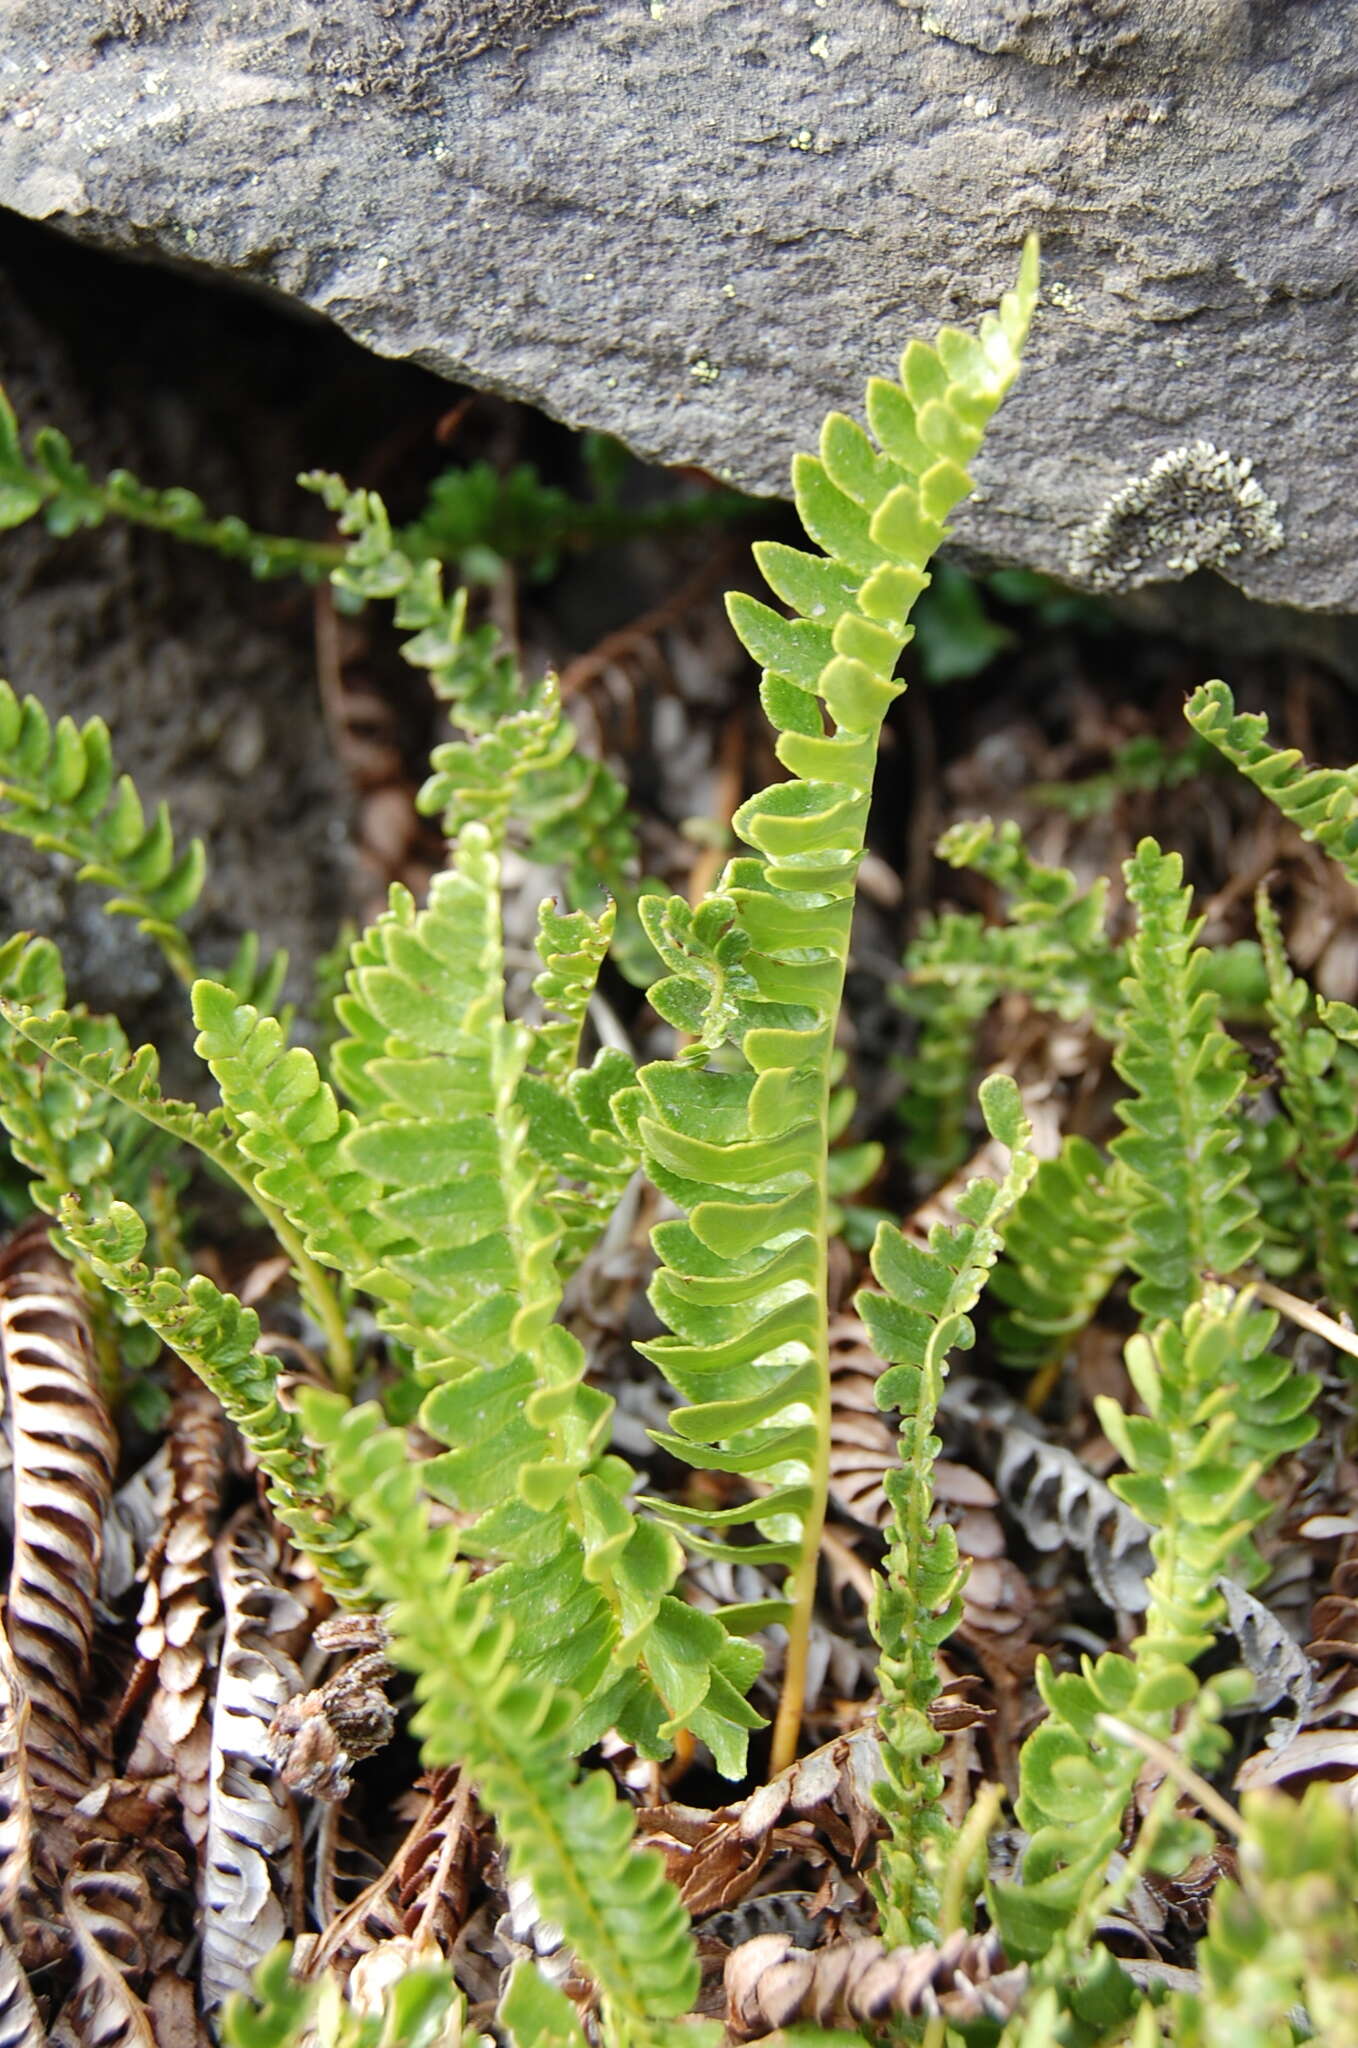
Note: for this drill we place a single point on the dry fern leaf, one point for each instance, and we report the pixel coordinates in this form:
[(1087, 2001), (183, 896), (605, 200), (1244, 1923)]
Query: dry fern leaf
[(434, 1866), (113, 1919), (20, 2024), (180, 1597), (248, 1880), (16, 1813), (1055, 1498), (770, 1983), (64, 1454)]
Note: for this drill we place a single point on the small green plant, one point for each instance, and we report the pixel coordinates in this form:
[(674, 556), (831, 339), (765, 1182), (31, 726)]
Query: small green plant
[(455, 1163)]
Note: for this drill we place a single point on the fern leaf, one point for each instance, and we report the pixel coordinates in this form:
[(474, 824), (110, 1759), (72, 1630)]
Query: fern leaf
[(922, 1314), (572, 949), (250, 1836), (58, 788), (64, 1452), (491, 1181), (215, 1337), (569, 1836), (1321, 802), (574, 809), (1064, 1246), (1317, 1088), (290, 1128), (1065, 959), (1190, 1216), (760, 965), (1220, 1408), (57, 1122)]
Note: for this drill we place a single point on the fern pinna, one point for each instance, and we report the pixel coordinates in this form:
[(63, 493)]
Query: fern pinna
[(736, 1129)]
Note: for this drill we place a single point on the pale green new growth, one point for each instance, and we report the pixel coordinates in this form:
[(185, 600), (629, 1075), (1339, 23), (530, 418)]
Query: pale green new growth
[(742, 1146), (921, 1316), (1321, 802)]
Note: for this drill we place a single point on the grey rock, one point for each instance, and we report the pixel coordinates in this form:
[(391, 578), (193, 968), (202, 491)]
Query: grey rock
[(700, 223)]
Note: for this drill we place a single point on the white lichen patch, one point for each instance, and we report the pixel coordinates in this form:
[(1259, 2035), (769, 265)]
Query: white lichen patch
[(1195, 508)]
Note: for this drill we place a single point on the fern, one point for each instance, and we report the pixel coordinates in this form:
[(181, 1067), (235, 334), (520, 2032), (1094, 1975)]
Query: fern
[(1190, 1214), (570, 1836), (1317, 1087), (1321, 802), (759, 966), (921, 1316), (60, 790), (1280, 1940), (1065, 1244), (1054, 948), (216, 1337), (573, 809), (1220, 1408)]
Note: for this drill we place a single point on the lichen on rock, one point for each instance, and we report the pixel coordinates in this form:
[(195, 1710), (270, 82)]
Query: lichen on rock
[(1196, 507)]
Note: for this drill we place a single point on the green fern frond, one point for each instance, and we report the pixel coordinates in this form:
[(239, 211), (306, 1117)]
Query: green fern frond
[(489, 1181), (53, 482), (217, 1338), (59, 789), (923, 1314), (1220, 1409), (574, 809), (1321, 802), (57, 1122), (1190, 1214), (760, 966), (572, 949), (570, 1836), (1281, 1939), (1318, 1081), (1064, 1245), (289, 1128), (1054, 948)]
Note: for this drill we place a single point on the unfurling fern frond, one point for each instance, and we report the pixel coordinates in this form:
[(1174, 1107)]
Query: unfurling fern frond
[(1064, 1245), (1321, 802), (570, 1836), (759, 966), (1318, 1085), (923, 1314), (60, 790), (1190, 1214), (216, 1338), (1220, 1409)]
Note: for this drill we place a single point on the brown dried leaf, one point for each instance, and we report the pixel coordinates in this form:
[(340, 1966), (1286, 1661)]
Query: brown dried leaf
[(316, 1739), (180, 1597), (1055, 1497), (113, 1918), (248, 1879), (772, 1984), (16, 1813), (20, 2024), (64, 1455)]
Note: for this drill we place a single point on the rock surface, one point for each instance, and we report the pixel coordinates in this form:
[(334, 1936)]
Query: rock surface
[(700, 223)]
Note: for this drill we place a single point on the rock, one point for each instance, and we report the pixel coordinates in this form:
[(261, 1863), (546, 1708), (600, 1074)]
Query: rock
[(700, 223), (207, 681)]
